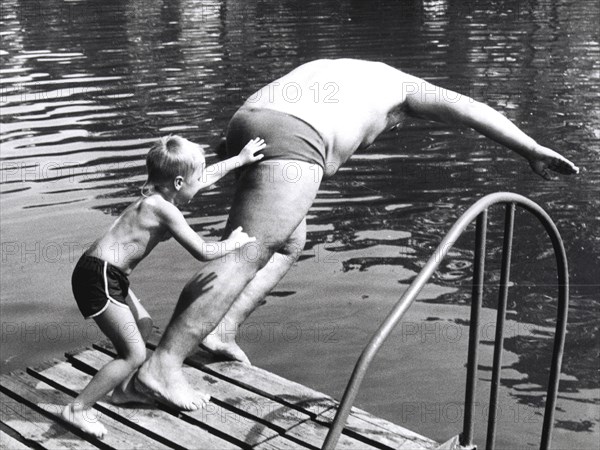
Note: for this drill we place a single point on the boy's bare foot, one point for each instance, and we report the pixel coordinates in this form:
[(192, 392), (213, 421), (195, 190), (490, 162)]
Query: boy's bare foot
[(229, 350), (122, 396), (84, 419), (544, 158), (168, 384)]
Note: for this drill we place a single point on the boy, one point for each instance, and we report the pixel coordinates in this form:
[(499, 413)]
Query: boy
[(176, 172)]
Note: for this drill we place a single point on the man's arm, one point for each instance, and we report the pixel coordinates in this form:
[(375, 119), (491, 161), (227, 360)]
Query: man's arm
[(431, 102), (215, 172)]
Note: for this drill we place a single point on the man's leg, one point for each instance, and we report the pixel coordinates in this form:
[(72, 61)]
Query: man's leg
[(271, 200), (222, 340)]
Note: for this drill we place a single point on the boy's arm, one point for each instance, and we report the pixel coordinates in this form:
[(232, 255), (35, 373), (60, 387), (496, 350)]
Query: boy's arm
[(189, 239), (215, 172), (427, 101)]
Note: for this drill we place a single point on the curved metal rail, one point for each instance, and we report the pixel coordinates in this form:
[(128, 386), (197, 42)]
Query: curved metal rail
[(478, 211)]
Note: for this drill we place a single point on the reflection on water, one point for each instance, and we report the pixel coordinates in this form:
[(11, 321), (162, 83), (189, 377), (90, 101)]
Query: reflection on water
[(84, 90)]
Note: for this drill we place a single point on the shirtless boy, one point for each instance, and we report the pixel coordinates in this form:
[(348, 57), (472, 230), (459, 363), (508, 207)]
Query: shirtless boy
[(176, 172), (313, 119)]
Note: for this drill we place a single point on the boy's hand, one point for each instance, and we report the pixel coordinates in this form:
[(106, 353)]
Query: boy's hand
[(239, 237), (247, 155)]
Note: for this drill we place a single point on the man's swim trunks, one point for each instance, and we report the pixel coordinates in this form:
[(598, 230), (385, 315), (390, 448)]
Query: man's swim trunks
[(286, 136), (96, 283)]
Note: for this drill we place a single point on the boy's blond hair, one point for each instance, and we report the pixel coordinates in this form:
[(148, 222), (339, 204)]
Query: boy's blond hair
[(167, 159)]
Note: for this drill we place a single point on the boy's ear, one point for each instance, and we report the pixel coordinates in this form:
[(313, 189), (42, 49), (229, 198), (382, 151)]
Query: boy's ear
[(178, 183)]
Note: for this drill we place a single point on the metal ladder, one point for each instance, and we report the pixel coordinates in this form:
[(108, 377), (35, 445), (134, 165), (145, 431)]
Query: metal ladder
[(478, 211)]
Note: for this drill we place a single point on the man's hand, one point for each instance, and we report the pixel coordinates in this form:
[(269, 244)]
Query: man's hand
[(543, 158), (247, 155)]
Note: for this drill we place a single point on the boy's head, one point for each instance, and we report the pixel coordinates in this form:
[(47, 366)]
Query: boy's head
[(172, 157)]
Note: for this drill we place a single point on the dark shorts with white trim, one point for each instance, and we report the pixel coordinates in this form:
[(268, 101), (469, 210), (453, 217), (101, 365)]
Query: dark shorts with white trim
[(96, 284)]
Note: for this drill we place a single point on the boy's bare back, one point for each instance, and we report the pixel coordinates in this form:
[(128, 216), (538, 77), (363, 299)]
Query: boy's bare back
[(134, 234)]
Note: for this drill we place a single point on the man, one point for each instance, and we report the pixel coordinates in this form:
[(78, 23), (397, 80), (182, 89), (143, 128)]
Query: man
[(312, 119)]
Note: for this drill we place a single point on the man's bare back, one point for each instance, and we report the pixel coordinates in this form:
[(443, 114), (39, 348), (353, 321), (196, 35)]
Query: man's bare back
[(350, 102), (340, 99)]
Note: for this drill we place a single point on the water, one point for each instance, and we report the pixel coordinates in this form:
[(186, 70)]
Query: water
[(85, 87)]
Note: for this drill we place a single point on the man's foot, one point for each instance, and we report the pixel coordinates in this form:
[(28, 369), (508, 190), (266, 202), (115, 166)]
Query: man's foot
[(544, 158), (122, 396), (84, 419), (168, 384), (228, 350)]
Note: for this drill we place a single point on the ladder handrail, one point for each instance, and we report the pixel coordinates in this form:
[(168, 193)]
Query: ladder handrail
[(479, 211)]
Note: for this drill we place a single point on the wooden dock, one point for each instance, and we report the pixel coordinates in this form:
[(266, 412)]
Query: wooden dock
[(249, 408)]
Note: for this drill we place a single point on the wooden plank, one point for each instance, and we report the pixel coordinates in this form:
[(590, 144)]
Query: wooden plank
[(8, 442), (362, 423), (279, 443), (302, 430), (321, 406), (259, 381), (34, 426), (51, 400), (232, 421), (158, 424), (279, 416), (317, 434), (265, 383)]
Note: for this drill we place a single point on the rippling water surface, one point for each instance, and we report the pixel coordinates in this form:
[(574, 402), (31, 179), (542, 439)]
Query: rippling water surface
[(87, 85)]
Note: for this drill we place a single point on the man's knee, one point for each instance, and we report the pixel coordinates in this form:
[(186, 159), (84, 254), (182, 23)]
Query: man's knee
[(257, 254)]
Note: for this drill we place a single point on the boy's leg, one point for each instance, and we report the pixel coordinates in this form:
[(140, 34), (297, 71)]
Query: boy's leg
[(118, 324), (125, 392)]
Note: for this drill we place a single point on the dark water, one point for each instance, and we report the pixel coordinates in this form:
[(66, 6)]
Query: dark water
[(86, 85)]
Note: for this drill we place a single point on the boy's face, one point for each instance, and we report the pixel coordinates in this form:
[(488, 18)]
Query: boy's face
[(192, 183)]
